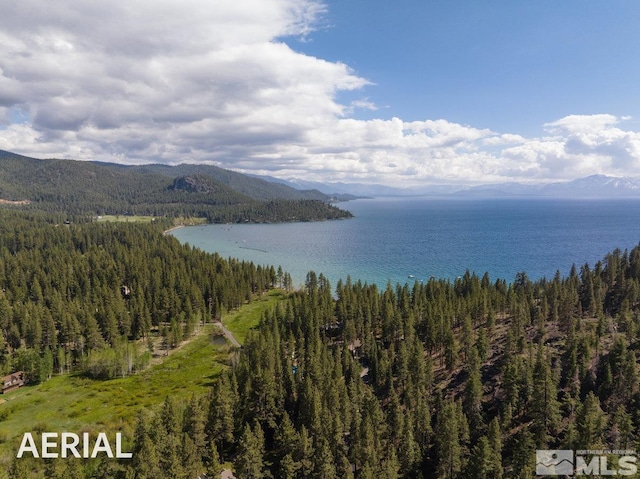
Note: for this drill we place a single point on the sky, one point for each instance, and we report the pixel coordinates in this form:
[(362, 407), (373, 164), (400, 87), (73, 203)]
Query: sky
[(405, 93)]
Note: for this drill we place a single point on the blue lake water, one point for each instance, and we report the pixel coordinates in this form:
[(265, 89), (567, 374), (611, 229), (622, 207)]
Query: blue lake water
[(391, 239)]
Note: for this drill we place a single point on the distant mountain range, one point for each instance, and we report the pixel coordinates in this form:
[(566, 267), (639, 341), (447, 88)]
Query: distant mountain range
[(97, 183), (594, 186)]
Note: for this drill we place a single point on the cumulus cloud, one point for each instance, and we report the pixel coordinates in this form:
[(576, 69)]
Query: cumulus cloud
[(597, 139), (201, 81), (198, 75)]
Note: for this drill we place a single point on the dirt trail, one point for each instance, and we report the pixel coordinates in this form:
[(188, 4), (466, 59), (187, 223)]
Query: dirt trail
[(227, 334)]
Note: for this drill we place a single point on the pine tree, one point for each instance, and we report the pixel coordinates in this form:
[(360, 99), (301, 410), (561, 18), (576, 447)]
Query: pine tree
[(408, 451), (304, 454), (590, 423), (145, 462), (621, 429), (220, 426), (286, 438), (191, 459), (545, 408), (523, 457), (250, 462), (324, 463), (447, 436), (390, 467), (473, 393), (194, 422), (450, 350), (212, 462), (480, 460), (288, 467), (495, 447)]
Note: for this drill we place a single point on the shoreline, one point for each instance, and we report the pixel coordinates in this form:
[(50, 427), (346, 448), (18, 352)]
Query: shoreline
[(172, 229)]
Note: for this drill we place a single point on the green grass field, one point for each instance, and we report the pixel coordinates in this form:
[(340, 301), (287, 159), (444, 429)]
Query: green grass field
[(74, 403), (127, 218), (249, 316)]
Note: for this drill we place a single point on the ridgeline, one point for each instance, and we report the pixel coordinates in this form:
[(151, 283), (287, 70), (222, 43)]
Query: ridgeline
[(80, 188)]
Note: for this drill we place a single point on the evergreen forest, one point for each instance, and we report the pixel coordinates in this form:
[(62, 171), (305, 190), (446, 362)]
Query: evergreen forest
[(443, 379), (82, 188)]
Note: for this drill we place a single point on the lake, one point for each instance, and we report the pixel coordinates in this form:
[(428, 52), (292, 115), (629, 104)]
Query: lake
[(412, 239)]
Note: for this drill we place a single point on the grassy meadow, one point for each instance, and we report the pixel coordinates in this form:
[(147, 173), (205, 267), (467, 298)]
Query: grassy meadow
[(127, 218), (241, 324), (75, 403)]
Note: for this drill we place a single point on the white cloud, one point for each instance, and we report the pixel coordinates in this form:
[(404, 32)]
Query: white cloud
[(204, 76), (362, 104), (157, 80)]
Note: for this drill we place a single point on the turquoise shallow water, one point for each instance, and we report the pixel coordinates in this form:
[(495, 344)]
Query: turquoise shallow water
[(391, 239)]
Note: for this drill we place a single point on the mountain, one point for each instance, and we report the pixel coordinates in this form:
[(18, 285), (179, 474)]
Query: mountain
[(594, 186), (252, 186), (82, 187), (347, 191)]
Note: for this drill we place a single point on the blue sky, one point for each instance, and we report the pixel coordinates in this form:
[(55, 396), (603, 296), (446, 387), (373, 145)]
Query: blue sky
[(504, 65), (401, 93)]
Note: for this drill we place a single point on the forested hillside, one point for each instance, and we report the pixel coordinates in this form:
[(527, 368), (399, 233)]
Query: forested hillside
[(247, 185), (462, 379), (80, 188), (448, 380), (73, 295)]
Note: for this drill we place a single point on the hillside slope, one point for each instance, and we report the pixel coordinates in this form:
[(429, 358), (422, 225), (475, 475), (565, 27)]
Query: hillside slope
[(80, 187), (253, 187)]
